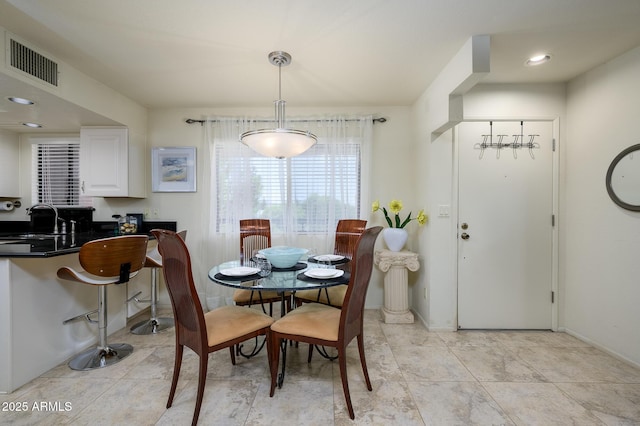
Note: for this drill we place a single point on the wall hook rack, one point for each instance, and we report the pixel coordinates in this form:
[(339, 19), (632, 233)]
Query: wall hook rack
[(499, 145)]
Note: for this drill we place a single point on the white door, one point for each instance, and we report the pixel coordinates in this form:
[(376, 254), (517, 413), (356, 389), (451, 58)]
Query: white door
[(505, 231)]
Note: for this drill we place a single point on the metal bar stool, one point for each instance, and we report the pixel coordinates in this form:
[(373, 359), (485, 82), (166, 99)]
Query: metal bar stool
[(105, 261), (154, 324)]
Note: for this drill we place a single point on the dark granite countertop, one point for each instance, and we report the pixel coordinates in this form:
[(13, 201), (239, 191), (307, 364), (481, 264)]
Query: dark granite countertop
[(37, 245), (45, 245)]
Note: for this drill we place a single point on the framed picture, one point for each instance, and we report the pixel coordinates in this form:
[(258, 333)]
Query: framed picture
[(173, 169)]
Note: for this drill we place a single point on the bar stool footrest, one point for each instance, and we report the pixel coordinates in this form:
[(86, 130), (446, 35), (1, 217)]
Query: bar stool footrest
[(100, 357), (152, 326), (84, 316)]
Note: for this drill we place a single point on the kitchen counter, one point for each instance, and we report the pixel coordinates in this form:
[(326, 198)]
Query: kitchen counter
[(45, 245), (34, 302), (28, 244)]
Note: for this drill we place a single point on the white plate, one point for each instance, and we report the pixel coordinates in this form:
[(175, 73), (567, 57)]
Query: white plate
[(329, 257), (240, 271), (324, 273)]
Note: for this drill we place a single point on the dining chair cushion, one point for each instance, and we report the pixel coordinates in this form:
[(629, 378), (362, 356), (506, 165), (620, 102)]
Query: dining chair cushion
[(311, 319), (244, 296), (336, 295), (229, 322)]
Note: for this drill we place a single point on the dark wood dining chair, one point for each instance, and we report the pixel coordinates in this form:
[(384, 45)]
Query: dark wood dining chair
[(255, 234), (323, 325), (104, 262), (347, 233), (224, 327)]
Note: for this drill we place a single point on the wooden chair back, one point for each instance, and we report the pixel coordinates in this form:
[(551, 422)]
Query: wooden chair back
[(114, 256), (351, 318), (154, 260), (255, 234), (178, 276), (348, 232)]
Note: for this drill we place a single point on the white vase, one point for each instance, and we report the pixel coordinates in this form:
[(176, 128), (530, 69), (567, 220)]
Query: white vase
[(395, 238)]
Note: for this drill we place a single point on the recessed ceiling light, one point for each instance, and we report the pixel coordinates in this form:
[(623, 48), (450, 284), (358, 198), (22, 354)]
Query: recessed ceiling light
[(34, 125), (538, 59), (21, 101)]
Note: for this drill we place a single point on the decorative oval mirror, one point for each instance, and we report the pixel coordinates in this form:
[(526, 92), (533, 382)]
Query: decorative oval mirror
[(623, 179)]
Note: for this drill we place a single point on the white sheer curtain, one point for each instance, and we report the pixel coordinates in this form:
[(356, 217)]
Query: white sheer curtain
[(303, 197)]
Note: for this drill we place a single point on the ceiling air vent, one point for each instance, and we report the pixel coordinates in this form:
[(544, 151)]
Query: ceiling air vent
[(33, 63)]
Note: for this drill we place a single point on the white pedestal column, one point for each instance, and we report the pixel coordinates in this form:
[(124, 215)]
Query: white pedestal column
[(396, 286)]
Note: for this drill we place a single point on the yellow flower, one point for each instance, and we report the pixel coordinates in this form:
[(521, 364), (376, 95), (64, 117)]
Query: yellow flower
[(422, 218), (395, 206)]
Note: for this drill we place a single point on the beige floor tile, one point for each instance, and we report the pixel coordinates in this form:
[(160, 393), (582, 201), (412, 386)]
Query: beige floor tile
[(389, 403), (614, 404), (411, 335), (577, 364), (225, 402), (126, 402), (537, 338), (418, 378), (59, 398), (432, 364), (496, 364), (456, 403), (298, 402), (469, 338), (539, 404)]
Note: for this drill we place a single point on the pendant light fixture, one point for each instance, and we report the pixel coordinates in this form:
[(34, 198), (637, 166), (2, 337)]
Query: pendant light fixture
[(279, 142)]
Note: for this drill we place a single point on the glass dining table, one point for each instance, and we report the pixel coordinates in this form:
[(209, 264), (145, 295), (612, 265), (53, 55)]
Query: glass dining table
[(308, 275)]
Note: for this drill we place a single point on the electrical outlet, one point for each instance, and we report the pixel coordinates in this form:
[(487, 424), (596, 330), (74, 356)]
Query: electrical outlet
[(146, 213), (156, 213)]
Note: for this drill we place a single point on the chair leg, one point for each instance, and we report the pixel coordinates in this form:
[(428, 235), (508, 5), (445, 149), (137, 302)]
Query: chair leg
[(363, 361), (342, 360), (202, 379), (310, 353), (232, 350), (274, 356), (176, 373)]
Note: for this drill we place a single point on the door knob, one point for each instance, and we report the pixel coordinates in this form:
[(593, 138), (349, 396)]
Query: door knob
[(464, 236)]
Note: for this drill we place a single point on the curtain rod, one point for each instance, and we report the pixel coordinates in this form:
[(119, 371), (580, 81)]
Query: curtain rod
[(192, 120)]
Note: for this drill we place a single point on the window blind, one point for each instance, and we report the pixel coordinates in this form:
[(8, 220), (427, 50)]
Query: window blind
[(309, 192), (56, 173)]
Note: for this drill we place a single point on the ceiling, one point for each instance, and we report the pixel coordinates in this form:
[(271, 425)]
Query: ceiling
[(213, 53)]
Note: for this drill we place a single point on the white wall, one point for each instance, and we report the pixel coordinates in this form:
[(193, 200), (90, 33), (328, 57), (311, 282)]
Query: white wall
[(486, 101), (433, 296), (601, 241), (392, 176)]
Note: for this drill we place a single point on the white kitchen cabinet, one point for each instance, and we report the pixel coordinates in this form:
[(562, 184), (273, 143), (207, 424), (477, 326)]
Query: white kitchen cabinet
[(9, 161), (109, 163)]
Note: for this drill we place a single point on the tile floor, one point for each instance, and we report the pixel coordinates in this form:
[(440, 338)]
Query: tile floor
[(419, 378)]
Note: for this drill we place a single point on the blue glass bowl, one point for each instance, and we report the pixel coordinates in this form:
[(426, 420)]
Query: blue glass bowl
[(283, 257)]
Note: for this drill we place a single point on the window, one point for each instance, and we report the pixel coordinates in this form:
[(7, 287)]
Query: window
[(311, 192), (306, 194), (56, 172)]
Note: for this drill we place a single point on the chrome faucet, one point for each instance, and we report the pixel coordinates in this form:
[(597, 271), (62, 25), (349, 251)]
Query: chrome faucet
[(52, 207)]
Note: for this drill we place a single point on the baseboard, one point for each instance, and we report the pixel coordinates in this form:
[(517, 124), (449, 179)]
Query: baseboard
[(599, 346)]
